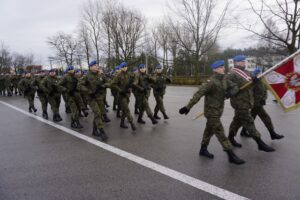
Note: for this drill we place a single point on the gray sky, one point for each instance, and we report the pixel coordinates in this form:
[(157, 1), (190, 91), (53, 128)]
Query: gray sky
[(26, 24)]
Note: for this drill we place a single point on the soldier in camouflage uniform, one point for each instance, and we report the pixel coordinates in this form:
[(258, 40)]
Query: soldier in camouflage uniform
[(7, 84), (37, 81), (123, 83), (93, 85), (135, 74), (29, 90), (68, 84), (142, 85), (50, 86), (80, 96), (260, 96), (217, 88), (159, 90), (242, 104), (115, 92)]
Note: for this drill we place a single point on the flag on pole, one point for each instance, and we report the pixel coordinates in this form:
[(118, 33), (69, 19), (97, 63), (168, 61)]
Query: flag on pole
[(283, 80)]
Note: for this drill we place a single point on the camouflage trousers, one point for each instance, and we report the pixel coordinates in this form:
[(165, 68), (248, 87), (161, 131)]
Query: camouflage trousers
[(124, 104), (54, 101), (71, 101), (30, 98), (243, 118), (159, 103), (44, 101), (143, 105), (263, 115), (97, 106), (215, 127)]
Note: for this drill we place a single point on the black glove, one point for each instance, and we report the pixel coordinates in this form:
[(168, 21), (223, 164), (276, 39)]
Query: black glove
[(168, 80), (262, 102), (72, 93), (255, 79), (184, 110)]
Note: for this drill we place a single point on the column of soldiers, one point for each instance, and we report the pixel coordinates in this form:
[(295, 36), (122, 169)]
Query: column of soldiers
[(246, 102), (82, 92)]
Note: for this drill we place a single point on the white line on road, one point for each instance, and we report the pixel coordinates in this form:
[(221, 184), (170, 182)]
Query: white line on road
[(214, 190)]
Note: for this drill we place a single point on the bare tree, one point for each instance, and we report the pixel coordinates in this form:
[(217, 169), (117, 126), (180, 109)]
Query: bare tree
[(66, 47), (196, 26), (281, 21), (92, 18), (84, 42), (5, 57)]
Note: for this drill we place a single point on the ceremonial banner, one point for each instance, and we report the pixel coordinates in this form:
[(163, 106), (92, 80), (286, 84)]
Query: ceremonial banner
[(284, 82)]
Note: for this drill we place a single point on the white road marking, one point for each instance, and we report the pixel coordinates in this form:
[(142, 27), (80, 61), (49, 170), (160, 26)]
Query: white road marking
[(201, 185)]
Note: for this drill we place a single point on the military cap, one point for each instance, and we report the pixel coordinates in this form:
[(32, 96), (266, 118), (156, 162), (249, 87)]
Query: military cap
[(239, 58), (142, 66), (217, 64), (94, 62), (123, 64)]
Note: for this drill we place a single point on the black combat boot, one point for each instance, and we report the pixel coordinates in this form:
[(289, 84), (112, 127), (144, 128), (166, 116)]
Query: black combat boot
[(55, 117), (79, 126), (165, 115), (122, 124), (155, 115), (233, 158), (105, 118), (95, 131), (45, 115), (103, 135), (275, 136), (245, 133), (29, 109), (80, 114), (233, 142), (262, 146), (34, 109), (73, 124), (153, 120), (132, 126), (114, 107), (58, 118), (141, 121), (204, 152)]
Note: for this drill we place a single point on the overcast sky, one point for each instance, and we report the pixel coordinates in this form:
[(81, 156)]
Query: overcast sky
[(26, 24)]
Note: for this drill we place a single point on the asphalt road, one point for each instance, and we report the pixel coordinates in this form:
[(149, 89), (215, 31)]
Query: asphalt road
[(40, 161)]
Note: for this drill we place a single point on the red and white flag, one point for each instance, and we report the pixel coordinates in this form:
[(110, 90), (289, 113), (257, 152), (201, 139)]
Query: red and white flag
[(284, 82)]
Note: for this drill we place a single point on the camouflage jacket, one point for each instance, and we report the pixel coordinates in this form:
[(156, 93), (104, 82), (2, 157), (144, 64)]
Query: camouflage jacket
[(93, 84), (160, 82), (37, 82), (142, 83), (260, 93), (50, 85), (122, 83), (26, 86), (214, 91), (244, 99), (68, 84)]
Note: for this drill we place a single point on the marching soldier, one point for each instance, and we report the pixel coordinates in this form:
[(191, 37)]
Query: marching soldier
[(68, 85), (37, 81), (50, 86), (122, 83), (215, 91), (134, 91), (28, 90), (242, 104), (159, 90), (93, 85), (142, 85), (115, 92), (2, 91), (260, 96)]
